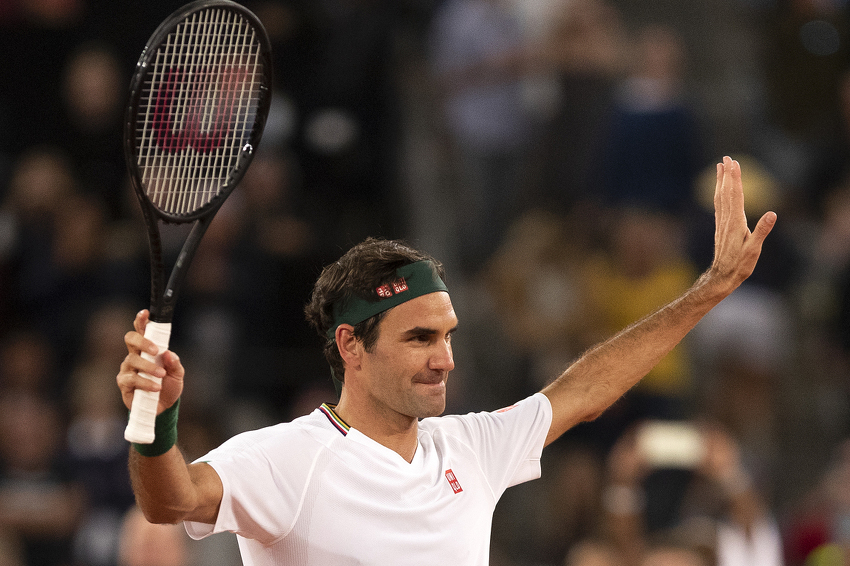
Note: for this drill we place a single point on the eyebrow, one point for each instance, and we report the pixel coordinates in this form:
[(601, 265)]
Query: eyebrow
[(422, 331)]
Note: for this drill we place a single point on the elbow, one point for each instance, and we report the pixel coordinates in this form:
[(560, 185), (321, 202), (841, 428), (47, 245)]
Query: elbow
[(593, 415), (598, 399), (160, 517), (164, 515)]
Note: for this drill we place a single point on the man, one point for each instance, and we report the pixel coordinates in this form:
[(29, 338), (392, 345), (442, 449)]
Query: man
[(379, 478)]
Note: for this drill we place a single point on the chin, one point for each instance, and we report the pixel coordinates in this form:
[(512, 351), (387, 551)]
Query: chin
[(430, 407), (434, 409)]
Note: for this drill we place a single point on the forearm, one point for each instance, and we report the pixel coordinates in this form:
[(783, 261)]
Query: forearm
[(606, 371), (169, 491)]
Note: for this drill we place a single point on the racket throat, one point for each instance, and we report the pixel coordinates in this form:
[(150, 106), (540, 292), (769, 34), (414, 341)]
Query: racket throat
[(162, 304)]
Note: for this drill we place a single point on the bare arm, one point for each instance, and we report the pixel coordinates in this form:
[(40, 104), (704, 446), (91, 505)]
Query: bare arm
[(608, 370), (166, 488), (169, 491)]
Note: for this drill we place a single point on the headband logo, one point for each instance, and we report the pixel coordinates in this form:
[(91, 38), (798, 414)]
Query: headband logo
[(400, 285), (386, 291), (411, 281)]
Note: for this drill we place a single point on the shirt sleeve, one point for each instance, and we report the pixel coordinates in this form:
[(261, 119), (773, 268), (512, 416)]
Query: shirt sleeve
[(507, 442), (261, 498)]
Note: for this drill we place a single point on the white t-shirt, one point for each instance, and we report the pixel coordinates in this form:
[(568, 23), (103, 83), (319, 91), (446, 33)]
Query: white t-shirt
[(313, 492)]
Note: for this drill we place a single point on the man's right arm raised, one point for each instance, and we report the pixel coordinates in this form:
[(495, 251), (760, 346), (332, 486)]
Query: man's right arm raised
[(167, 489)]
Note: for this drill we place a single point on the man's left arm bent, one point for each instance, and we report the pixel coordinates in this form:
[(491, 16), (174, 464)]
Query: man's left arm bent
[(606, 371)]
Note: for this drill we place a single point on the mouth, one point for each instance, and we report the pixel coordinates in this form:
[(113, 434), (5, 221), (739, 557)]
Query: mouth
[(431, 381)]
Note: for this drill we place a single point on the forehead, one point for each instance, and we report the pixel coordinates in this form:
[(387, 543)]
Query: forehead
[(433, 311)]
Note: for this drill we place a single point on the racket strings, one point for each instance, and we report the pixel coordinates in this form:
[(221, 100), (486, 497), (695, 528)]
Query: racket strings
[(197, 109)]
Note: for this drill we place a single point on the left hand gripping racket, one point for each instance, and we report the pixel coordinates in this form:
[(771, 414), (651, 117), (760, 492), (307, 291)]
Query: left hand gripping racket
[(199, 99)]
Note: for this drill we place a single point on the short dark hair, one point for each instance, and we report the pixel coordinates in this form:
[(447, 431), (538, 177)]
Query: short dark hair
[(359, 272)]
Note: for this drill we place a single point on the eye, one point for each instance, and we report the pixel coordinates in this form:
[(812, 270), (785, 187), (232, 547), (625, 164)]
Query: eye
[(450, 333)]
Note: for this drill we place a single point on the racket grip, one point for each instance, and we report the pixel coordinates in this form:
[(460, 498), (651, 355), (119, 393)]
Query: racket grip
[(140, 428)]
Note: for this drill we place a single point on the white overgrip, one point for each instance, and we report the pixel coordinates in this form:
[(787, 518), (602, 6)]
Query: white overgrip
[(140, 428)]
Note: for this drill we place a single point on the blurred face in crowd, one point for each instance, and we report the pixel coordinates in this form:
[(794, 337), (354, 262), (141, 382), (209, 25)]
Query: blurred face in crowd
[(672, 557)]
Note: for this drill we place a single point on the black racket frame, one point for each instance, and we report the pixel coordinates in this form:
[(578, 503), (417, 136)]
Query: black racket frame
[(164, 293)]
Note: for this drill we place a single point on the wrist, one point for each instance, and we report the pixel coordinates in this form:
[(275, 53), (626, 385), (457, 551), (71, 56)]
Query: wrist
[(165, 433)]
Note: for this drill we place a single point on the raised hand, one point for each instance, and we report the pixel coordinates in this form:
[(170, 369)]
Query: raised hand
[(736, 249), (171, 372)]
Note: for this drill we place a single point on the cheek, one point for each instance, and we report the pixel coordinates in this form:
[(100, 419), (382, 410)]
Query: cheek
[(396, 370)]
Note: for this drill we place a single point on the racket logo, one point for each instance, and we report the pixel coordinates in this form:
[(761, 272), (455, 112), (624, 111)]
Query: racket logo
[(206, 101)]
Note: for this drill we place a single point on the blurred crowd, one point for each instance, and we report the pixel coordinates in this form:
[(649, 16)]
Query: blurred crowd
[(557, 155)]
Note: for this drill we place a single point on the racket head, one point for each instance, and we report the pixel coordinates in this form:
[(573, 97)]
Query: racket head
[(198, 103)]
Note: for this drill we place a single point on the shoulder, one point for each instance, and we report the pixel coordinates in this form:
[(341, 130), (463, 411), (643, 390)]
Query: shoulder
[(526, 410), (294, 439)]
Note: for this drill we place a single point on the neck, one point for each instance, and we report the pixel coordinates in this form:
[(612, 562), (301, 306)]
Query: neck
[(397, 432)]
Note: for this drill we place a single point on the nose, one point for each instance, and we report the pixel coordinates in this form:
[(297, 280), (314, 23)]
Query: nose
[(442, 358)]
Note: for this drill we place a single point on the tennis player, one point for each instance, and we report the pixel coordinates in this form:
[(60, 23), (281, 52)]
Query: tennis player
[(381, 478)]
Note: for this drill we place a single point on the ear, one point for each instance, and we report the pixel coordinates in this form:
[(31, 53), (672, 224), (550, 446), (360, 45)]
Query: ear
[(347, 345)]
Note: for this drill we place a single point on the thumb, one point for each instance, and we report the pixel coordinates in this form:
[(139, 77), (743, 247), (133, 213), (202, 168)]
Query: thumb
[(764, 226), (171, 363)]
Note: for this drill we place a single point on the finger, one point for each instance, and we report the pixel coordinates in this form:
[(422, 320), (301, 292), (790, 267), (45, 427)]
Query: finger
[(136, 363), (141, 320), (137, 343), (129, 381), (718, 183), (172, 365), (737, 191), (721, 197), (725, 183), (764, 226)]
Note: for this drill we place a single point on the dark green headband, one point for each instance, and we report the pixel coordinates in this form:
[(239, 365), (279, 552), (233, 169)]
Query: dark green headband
[(412, 280)]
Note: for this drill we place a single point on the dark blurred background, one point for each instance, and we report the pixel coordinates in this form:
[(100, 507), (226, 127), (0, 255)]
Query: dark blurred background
[(557, 155)]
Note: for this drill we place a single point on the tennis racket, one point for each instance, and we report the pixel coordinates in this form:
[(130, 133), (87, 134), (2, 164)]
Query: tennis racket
[(199, 99)]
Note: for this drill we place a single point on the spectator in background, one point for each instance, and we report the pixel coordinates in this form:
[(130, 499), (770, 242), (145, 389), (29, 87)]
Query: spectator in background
[(587, 50), (245, 293), (348, 126), (478, 55), (145, 544), (60, 260), (641, 266), (28, 364), (562, 515), (593, 553), (94, 91), (535, 278), (651, 117), (672, 554), (34, 46), (743, 351), (698, 493), (280, 244), (42, 182), (826, 269), (818, 531), (40, 504), (95, 439), (10, 551)]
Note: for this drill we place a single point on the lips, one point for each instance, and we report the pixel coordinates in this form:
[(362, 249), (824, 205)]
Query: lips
[(434, 380)]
